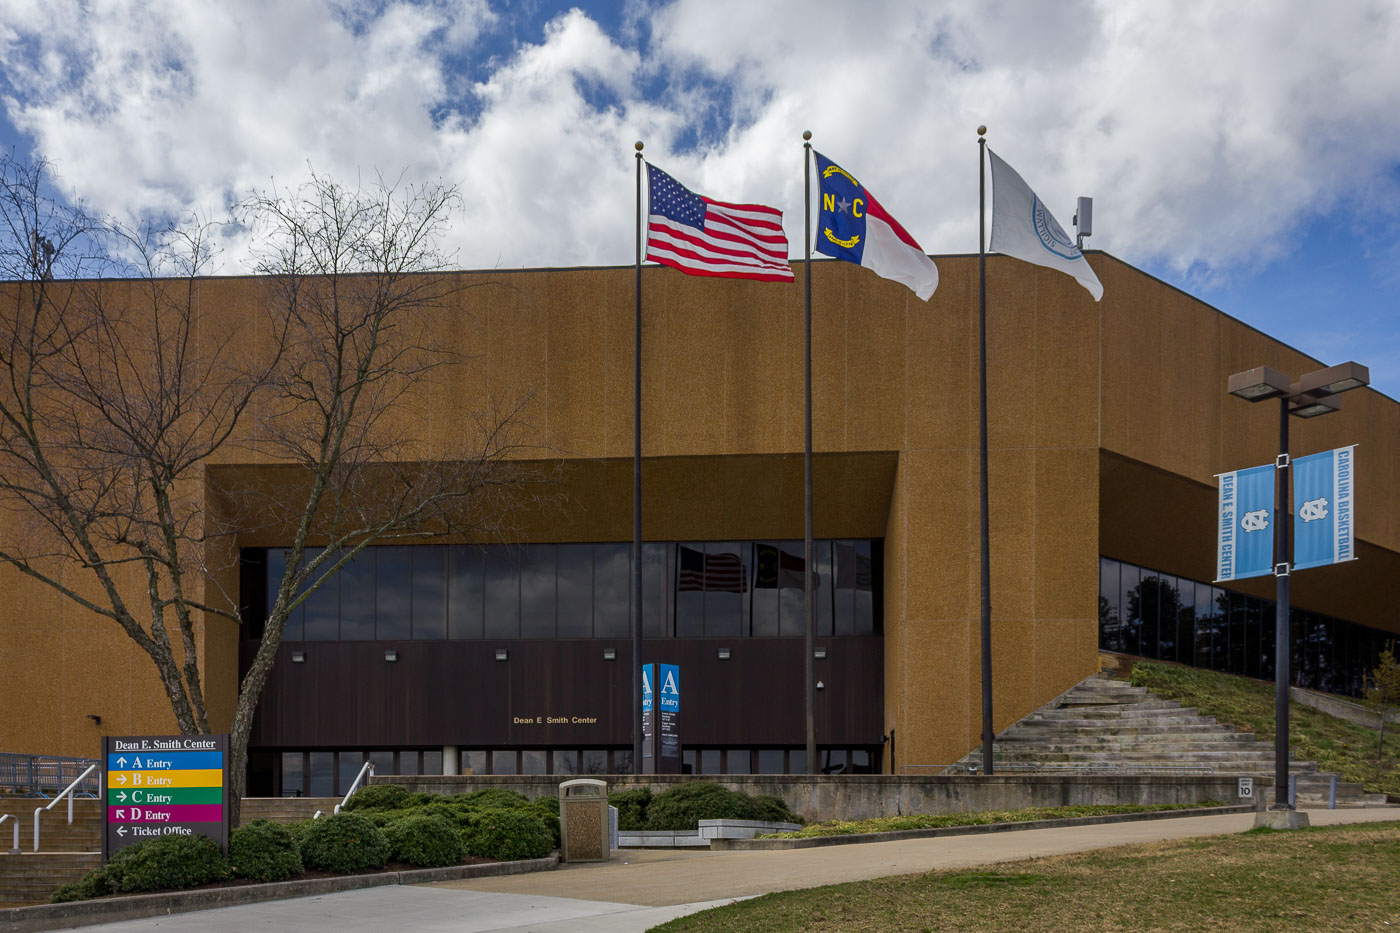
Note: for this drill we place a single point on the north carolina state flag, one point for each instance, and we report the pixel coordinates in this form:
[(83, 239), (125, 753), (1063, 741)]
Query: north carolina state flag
[(855, 227)]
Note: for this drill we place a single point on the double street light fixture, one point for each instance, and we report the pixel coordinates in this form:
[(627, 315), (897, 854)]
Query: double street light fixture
[(1313, 395)]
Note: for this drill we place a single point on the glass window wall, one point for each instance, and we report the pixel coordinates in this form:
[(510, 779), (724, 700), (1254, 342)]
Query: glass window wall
[(696, 589), (1156, 615)]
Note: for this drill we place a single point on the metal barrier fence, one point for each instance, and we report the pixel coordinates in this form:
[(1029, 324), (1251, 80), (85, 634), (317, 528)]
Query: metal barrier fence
[(45, 775)]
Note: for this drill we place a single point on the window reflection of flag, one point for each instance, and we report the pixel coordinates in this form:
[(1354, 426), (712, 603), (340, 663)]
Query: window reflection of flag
[(775, 568), (723, 573), (852, 568)]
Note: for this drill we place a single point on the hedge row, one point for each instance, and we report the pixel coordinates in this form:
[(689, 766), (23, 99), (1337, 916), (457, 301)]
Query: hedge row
[(683, 806)]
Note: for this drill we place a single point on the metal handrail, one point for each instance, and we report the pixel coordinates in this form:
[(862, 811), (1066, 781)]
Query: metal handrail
[(34, 775), (368, 766), (66, 792), (14, 847)]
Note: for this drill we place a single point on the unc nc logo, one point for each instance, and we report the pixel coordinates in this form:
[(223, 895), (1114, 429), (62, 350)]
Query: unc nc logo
[(1052, 235), (1313, 510), (1257, 520)]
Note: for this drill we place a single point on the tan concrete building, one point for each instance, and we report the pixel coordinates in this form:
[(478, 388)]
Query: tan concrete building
[(1108, 424)]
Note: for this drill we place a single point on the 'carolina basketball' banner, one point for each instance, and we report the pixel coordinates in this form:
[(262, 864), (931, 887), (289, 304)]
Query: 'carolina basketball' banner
[(1324, 508), (1245, 537)]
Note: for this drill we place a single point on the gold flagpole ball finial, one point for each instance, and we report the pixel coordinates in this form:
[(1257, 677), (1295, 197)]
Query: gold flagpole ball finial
[(981, 131), (807, 134), (638, 145)]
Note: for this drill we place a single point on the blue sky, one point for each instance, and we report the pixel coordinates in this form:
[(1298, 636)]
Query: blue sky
[(1247, 153)]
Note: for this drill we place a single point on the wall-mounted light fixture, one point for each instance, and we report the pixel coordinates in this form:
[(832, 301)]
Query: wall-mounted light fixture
[(391, 655), (724, 654), (502, 654), (820, 685), (96, 719), (819, 654), (298, 657), (609, 654)]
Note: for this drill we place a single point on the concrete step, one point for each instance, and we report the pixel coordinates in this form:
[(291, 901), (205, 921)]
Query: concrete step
[(1119, 713), (1195, 724), (285, 809), (1041, 736), (31, 879), (1116, 703), (1160, 749), (56, 834)]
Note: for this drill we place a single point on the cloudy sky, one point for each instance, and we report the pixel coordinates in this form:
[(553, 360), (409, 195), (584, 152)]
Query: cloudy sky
[(1247, 152)]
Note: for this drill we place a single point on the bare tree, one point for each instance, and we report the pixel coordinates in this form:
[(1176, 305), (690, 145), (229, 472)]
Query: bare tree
[(122, 398), (115, 393)]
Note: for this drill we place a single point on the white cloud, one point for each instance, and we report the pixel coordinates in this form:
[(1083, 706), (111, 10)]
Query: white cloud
[(1208, 133)]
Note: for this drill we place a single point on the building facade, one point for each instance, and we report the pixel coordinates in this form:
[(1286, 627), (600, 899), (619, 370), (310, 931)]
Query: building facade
[(1108, 422)]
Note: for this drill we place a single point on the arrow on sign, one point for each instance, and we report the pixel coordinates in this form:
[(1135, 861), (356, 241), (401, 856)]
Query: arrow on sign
[(121, 778), (121, 795), (121, 762), (121, 814), (121, 830)]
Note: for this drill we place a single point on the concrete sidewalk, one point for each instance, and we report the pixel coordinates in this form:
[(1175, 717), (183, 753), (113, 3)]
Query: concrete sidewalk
[(638, 890)]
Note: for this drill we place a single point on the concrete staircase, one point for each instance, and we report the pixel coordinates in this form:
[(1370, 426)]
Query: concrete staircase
[(285, 809), (66, 852), (1313, 791), (1109, 725)]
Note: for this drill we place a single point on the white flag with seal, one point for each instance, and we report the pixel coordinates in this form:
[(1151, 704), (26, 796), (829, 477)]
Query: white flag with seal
[(1023, 227)]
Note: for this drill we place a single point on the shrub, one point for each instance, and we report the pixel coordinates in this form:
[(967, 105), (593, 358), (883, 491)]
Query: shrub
[(167, 863), (631, 808), (264, 851), (428, 840), (93, 884), (547, 809), (380, 797), (492, 798), (506, 835), (344, 842), (683, 806)]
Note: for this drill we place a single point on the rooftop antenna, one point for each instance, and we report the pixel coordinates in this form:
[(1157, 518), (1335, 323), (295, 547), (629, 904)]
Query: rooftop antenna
[(1083, 221)]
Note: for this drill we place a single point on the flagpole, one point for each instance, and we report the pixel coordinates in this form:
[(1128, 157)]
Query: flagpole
[(809, 605), (988, 766), (637, 491)]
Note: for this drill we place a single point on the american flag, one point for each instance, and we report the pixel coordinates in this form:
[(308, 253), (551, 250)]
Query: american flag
[(703, 237), (723, 573)]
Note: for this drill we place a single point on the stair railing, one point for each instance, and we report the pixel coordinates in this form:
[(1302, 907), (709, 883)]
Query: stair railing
[(367, 769), (14, 846), (66, 792)]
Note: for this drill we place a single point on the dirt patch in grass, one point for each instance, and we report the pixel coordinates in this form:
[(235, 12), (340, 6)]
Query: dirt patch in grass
[(1334, 878)]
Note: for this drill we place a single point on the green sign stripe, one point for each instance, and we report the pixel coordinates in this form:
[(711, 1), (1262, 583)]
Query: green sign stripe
[(164, 796)]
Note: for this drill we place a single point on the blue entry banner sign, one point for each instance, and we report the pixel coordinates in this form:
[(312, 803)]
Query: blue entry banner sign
[(1245, 534), (1324, 508)]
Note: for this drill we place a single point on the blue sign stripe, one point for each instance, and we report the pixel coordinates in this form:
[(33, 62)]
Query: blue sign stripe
[(164, 761), (1323, 499), (1245, 526)]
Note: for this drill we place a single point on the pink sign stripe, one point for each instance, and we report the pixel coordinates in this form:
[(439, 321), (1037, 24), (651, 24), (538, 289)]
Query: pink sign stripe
[(180, 813)]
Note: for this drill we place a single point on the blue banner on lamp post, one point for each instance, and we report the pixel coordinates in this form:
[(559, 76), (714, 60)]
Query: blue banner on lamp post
[(1245, 537), (1324, 519)]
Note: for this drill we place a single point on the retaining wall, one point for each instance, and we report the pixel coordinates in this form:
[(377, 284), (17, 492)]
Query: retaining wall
[(859, 796)]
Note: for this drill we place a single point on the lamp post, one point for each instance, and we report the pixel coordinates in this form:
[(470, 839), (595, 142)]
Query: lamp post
[(1313, 395)]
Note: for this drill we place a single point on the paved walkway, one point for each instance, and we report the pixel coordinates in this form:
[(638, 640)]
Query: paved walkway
[(640, 889)]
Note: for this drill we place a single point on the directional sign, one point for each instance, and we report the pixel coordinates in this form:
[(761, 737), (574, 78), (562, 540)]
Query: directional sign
[(164, 786)]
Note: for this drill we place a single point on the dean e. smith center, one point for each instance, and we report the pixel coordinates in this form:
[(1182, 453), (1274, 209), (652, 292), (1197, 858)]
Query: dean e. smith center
[(1108, 424)]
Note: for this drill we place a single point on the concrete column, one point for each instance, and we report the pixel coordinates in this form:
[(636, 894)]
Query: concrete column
[(450, 759)]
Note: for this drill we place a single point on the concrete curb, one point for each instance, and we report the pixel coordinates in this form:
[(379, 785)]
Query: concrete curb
[(731, 845), (134, 907)]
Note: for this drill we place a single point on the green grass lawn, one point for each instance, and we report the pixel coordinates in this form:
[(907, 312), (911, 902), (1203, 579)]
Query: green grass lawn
[(1337, 878), (1335, 744), (978, 818)]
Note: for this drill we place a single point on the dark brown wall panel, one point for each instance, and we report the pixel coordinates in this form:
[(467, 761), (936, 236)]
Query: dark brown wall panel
[(455, 693)]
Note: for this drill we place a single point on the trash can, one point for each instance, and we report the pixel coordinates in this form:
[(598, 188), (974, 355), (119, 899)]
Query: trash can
[(583, 820)]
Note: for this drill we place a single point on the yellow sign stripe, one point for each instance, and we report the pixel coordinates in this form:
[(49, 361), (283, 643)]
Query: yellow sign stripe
[(213, 777)]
